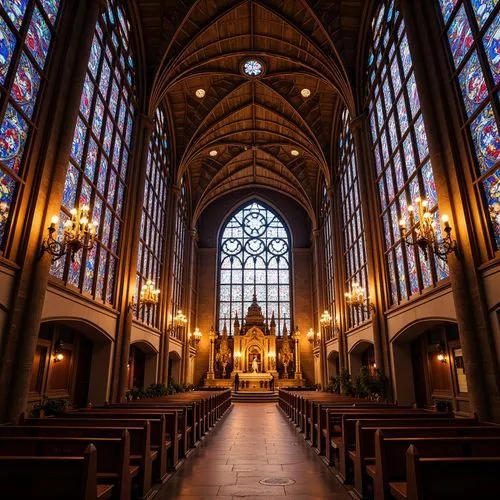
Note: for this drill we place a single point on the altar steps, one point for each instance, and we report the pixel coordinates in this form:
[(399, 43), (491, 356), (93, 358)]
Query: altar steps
[(255, 397)]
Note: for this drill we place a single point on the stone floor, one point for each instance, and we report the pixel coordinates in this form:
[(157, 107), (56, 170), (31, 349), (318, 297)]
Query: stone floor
[(252, 443)]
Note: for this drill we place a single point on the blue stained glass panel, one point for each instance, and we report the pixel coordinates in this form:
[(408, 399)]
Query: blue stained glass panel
[(119, 198), (413, 95), (414, 190), (393, 279), (51, 8), (412, 270), (101, 272), (116, 236), (85, 193), (403, 117), (104, 78), (121, 116), (98, 117), (101, 180), (387, 96), (95, 56), (460, 36), (409, 155), (128, 135), (91, 159), (7, 46), (70, 187), (111, 280), (7, 190), (405, 56), (474, 88), (26, 85), (106, 229), (398, 170), (389, 184), (385, 150), (111, 187), (421, 136), (447, 8), (426, 270), (113, 99), (13, 134), (380, 114), (486, 139), (491, 186), (483, 9), (38, 38), (78, 141), (401, 275), (429, 185), (88, 276), (86, 99), (15, 9), (396, 78), (491, 43), (74, 270), (108, 135)]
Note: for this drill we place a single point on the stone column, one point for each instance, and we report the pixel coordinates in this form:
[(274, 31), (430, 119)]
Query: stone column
[(131, 230), (296, 339), (211, 372), (27, 304), (445, 141)]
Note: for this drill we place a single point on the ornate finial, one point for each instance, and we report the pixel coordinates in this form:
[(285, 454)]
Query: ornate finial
[(285, 331), (224, 330), (273, 322), (236, 321)]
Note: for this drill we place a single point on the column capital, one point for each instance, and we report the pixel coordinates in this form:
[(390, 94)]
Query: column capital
[(147, 121), (358, 121), (194, 234)]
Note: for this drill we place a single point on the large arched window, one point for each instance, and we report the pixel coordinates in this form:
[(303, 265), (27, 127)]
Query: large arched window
[(355, 266), (326, 225), (254, 257), (401, 153), (150, 255), (472, 32), (27, 29), (97, 169)]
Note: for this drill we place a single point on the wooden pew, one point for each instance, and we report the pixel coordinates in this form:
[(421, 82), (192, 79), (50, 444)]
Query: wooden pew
[(363, 455), (457, 478), (113, 457), (52, 478), (390, 452), (140, 454)]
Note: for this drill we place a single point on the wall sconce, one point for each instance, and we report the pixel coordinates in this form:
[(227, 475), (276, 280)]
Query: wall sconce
[(423, 232), (148, 296), (195, 337), (325, 319), (58, 354), (78, 234), (313, 337), (442, 355), (356, 298), (180, 318)]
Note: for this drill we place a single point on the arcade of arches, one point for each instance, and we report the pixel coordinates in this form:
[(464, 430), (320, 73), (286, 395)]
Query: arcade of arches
[(255, 160)]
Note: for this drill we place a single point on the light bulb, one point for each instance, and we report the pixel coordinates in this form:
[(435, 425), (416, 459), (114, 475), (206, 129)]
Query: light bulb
[(54, 220)]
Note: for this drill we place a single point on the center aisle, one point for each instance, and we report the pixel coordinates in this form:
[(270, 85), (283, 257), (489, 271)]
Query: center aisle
[(252, 443)]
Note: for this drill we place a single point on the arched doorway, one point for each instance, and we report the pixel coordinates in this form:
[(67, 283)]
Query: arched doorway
[(333, 364), (174, 367), (142, 364), (362, 354), (71, 361), (429, 367)]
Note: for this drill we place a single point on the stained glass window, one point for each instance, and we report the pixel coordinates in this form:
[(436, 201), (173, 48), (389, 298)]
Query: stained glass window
[(326, 224), (178, 264), (352, 218), (472, 31), (401, 152), (254, 257), (97, 169), (253, 68), (27, 29), (150, 256)]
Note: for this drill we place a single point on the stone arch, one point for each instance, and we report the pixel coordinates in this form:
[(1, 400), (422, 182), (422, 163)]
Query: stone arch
[(174, 367), (333, 364), (402, 359), (361, 354), (142, 364)]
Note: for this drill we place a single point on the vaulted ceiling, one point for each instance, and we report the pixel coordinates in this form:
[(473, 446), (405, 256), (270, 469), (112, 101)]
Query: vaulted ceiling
[(253, 124)]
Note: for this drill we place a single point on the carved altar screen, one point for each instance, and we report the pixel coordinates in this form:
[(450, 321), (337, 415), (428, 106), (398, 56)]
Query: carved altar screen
[(254, 255)]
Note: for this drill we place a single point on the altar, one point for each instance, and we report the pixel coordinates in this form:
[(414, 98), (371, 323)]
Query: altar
[(255, 354)]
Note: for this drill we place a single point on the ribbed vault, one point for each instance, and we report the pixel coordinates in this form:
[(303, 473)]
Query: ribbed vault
[(253, 124)]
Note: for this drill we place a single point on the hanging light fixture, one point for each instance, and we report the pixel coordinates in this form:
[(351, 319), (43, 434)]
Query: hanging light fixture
[(79, 234), (149, 296), (180, 318), (422, 232), (356, 298)]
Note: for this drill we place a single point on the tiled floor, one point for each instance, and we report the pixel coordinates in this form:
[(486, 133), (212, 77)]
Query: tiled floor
[(254, 442)]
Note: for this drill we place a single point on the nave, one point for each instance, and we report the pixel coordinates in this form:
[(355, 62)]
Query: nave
[(254, 442)]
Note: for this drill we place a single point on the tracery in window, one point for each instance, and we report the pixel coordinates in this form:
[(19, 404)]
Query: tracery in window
[(352, 218), (96, 174), (150, 256), (326, 224), (472, 30), (254, 257), (401, 152), (27, 29), (179, 264)]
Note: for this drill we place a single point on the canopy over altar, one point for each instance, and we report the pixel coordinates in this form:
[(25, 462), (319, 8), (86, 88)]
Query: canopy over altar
[(255, 353)]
